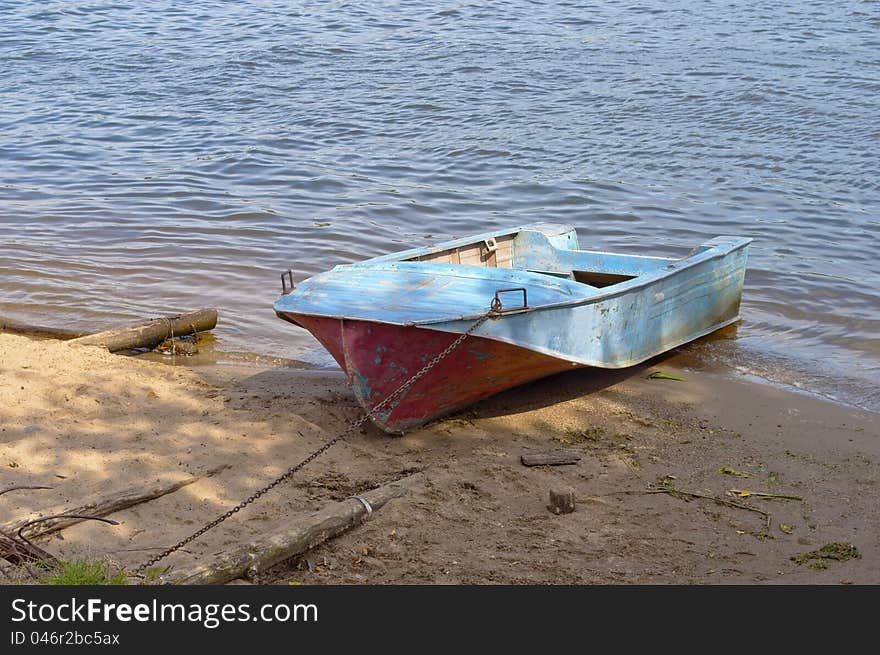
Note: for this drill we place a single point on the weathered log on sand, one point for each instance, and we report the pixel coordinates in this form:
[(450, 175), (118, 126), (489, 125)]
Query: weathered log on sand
[(260, 555), (151, 333), (39, 331), (101, 506)]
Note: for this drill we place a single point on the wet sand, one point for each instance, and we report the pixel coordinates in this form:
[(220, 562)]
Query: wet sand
[(87, 423)]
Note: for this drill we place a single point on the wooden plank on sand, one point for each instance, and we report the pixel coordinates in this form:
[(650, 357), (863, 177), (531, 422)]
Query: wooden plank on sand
[(556, 458)]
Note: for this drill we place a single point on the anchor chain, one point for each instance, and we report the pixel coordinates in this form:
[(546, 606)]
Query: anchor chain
[(495, 309)]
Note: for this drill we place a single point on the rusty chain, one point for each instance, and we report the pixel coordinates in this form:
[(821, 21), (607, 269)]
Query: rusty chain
[(495, 309)]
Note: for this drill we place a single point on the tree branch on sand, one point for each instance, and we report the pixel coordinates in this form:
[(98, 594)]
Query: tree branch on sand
[(55, 519)]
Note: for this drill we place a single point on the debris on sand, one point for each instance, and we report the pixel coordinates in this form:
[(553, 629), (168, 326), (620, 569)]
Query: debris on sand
[(745, 493), (660, 375), (665, 486), (732, 471), (834, 552)]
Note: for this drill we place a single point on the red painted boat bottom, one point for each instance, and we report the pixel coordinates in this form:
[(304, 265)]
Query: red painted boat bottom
[(378, 358)]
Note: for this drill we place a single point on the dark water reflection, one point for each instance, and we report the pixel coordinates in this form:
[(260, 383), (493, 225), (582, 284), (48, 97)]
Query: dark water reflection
[(163, 156)]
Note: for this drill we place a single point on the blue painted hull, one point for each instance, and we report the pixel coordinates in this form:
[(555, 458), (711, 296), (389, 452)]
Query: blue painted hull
[(582, 308)]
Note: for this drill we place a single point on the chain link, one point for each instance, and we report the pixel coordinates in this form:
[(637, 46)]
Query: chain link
[(385, 403)]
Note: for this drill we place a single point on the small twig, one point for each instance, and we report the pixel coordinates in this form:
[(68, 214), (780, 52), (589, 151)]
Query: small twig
[(84, 517), (6, 491), (137, 550), (672, 491), (744, 493), (625, 492)]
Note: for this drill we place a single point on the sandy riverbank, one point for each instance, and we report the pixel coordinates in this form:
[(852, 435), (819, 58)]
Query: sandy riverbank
[(87, 422)]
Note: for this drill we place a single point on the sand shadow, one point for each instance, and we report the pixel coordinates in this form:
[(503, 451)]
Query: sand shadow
[(581, 382)]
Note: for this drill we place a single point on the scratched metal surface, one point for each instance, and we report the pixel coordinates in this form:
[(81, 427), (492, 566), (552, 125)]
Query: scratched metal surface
[(378, 358), (413, 292)]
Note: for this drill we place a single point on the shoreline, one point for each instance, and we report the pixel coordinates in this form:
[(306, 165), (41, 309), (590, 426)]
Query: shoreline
[(685, 357), (92, 422), (712, 352)]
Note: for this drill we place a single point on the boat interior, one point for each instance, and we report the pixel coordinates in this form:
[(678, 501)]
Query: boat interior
[(546, 249)]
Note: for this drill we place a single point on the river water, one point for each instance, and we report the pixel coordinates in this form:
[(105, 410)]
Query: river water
[(163, 156)]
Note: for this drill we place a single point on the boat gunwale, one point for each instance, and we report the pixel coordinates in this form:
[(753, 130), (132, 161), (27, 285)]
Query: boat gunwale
[(403, 255), (716, 251), (635, 284)]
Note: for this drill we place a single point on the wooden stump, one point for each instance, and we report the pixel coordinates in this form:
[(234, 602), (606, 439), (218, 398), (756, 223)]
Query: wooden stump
[(561, 501)]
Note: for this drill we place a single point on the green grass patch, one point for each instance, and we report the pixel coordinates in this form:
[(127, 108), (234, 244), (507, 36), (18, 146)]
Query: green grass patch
[(83, 572)]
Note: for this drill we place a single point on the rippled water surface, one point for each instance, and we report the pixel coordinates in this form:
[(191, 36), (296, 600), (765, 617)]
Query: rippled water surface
[(163, 156)]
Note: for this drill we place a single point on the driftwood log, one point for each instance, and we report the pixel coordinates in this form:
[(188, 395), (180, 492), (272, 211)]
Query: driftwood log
[(549, 459), (100, 506), (260, 555), (151, 333)]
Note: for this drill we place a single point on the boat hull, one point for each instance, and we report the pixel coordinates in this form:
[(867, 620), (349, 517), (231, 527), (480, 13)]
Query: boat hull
[(378, 358), (560, 308)]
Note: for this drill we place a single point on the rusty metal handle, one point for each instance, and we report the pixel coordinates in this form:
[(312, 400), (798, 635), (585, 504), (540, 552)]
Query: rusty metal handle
[(287, 284), (498, 306)]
